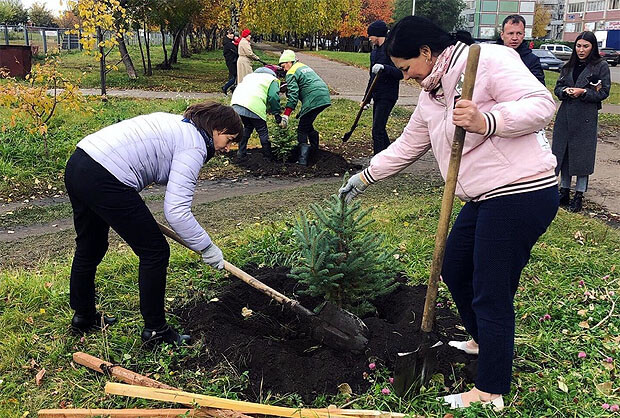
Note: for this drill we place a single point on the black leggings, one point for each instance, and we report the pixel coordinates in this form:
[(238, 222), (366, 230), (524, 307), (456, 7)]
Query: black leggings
[(99, 202)]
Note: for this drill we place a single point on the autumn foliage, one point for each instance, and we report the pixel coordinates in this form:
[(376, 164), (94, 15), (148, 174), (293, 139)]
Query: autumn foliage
[(36, 101)]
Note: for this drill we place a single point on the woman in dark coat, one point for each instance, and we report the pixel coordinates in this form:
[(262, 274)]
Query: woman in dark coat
[(583, 84)]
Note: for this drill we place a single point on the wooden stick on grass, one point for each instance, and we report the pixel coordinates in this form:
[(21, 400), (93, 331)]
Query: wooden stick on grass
[(121, 413), (188, 398), (117, 371)]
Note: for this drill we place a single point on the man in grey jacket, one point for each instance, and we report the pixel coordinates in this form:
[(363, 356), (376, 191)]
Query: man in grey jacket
[(103, 178)]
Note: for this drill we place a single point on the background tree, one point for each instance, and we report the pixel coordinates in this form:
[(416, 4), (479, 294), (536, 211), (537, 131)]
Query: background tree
[(445, 13), (12, 12), (542, 18), (98, 17), (67, 19), (41, 16), (377, 10)]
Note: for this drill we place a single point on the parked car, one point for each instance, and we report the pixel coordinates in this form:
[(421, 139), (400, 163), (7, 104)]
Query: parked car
[(560, 51), (548, 61), (610, 55)]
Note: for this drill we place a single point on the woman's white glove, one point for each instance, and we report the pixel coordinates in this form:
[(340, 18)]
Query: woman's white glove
[(354, 186), (213, 256)]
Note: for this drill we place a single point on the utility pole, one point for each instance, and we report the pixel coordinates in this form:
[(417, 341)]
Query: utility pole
[(413, 8)]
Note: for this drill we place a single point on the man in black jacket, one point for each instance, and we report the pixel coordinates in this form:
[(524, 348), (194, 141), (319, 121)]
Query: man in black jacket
[(513, 32), (230, 55), (385, 93)]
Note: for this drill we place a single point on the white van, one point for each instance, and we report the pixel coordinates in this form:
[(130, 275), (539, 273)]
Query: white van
[(560, 51)]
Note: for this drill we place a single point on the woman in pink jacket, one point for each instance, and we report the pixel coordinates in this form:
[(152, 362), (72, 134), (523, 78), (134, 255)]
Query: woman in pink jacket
[(506, 178)]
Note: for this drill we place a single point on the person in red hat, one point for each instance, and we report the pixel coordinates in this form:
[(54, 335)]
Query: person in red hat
[(246, 56)]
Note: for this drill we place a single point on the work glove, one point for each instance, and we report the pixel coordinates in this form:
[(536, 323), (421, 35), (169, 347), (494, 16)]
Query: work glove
[(376, 68), (365, 106), (213, 256), (284, 122), (278, 119), (354, 186)]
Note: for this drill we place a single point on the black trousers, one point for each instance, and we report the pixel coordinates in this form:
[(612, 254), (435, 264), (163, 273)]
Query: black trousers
[(232, 75), (305, 128), (99, 202), (249, 124), (381, 110), (487, 249)]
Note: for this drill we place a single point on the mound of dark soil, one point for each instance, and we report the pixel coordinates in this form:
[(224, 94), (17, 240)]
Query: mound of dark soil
[(281, 358), (322, 164)]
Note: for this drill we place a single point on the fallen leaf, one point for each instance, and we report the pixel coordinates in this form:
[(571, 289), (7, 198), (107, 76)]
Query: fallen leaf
[(562, 386), (48, 284), (584, 324), (29, 320), (345, 389), (608, 366), (39, 377), (245, 312), (582, 312), (604, 388)]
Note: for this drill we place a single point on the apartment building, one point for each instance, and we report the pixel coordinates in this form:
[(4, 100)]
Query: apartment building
[(599, 16), (483, 18)]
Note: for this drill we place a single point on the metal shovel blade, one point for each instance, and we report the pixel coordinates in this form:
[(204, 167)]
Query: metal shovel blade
[(414, 369), (339, 329)]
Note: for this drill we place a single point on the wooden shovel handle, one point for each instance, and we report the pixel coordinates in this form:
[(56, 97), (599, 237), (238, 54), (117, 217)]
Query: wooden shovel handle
[(245, 277), (428, 317)]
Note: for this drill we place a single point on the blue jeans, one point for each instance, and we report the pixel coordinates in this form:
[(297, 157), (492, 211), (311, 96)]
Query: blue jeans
[(487, 249)]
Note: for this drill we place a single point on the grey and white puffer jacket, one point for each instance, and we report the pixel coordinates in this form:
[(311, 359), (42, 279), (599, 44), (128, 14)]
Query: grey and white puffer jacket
[(158, 148)]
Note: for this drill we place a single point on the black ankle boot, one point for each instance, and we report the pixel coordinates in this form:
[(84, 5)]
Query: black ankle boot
[(81, 324), (165, 334), (576, 203), (564, 196)]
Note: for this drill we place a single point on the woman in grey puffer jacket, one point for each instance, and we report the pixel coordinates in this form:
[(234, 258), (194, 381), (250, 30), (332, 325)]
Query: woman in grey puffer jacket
[(103, 178)]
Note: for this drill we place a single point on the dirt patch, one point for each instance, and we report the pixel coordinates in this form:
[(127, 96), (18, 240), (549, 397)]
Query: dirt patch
[(322, 163), (274, 348)]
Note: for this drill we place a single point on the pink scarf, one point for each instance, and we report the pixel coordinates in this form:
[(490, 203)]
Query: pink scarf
[(432, 80)]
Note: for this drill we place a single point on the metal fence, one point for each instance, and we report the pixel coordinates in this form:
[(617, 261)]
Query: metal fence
[(52, 40)]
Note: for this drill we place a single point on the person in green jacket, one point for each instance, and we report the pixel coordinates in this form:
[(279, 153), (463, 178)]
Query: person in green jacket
[(256, 95), (304, 85)]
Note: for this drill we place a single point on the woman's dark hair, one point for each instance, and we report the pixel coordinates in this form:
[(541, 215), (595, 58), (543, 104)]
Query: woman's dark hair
[(594, 56), (211, 116), (413, 32)]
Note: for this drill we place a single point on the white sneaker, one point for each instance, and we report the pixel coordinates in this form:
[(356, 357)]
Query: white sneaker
[(462, 345), (456, 401)]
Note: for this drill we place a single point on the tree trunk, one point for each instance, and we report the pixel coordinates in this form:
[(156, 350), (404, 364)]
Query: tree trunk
[(176, 42), (131, 70), (142, 53), (185, 52), (147, 45), (166, 64), (102, 72)]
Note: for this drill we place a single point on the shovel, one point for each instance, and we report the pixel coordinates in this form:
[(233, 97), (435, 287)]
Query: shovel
[(331, 326), (413, 369), (366, 100)]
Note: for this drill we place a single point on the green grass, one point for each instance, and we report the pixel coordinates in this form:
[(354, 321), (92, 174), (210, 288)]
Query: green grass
[(357, 59), (203, 72), (34, 309), (25, 171)]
